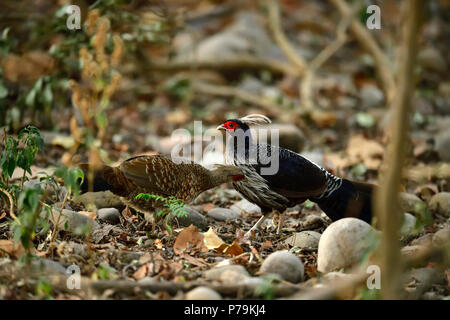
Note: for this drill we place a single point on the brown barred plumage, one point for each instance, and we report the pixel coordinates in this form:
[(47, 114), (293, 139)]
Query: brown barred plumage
[(159, 175)]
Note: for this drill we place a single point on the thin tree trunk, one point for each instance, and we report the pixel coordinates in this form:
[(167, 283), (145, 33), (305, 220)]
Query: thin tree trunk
[(386, 204)]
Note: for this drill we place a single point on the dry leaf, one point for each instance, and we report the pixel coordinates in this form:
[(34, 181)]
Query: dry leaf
[(90, 214), (9, 247), (190, 239), (359, 150), (213, 242), (158, 244), (145, 258), (234, 249), (266, 245), (324, 119), (177, 117), (127, 215), (208, 206), (192, 260), (141, 272), (369, 152)]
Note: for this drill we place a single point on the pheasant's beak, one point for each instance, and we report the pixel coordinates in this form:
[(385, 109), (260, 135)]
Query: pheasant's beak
[(221, 127)]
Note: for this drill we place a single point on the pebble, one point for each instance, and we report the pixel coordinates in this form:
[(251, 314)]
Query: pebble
[(430, 58), (419, 280), (245, 35), (344, 243), (245, 206), (216, 272), (410, 251), (290, 136), (223, 214), (233, 277), (440, 203), (47, 187), (285, 264), (193, 217), (371, 96), (75, 222), (411, 203), (313, 221), (47, 266), (111, 215), (409, 226), (442, 145), (102, 199), (202, 293), (425, 240), (441, 237), (304, 240)]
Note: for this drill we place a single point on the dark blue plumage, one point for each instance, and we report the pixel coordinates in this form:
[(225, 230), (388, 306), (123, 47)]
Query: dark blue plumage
[(296, 180)]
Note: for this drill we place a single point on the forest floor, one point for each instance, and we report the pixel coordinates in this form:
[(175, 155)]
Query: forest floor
[(120, 255)]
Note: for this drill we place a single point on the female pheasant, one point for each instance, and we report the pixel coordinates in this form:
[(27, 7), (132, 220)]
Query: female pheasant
[(295, 179), (159, 175)]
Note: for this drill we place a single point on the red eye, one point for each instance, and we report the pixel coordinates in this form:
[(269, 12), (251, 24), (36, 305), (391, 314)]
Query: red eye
[(230, 125)]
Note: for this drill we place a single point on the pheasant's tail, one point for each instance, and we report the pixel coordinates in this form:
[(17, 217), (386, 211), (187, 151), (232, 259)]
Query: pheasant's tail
[(100, 179), (351, 199)]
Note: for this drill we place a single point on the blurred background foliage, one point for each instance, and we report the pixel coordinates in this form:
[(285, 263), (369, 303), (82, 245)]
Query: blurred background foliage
[(209, 60)]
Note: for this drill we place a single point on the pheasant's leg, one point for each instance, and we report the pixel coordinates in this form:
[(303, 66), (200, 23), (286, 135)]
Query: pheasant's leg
[(280, 222), (248, 234)]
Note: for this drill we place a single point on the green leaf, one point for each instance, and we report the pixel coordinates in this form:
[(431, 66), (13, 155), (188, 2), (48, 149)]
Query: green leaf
[(48, 95), (30, 98), (3, 91)]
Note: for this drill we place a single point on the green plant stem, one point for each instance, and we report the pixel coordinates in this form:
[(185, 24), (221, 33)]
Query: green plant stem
[(59, 216), (23, 178)]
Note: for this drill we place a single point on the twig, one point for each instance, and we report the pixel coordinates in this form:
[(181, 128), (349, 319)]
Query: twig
[(280, 290), (366, 39), (226, 91), (341, 288), (11, 205), (304, 69), (306, 86), (386, 203), (59, 217), (281, 39), (333, 47), (239, 63)]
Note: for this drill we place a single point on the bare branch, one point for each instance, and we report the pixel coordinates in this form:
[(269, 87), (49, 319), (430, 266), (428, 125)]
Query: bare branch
[(241, 62), (227, 91), (281, 39), (364, 37)]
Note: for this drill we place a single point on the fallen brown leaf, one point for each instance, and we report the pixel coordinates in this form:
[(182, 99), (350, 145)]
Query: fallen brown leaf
[(209, 206), (9, 247), (90, 214), (190, 239), (234, 249), (214, 242), (359, 150), (141, 272), (158, 244)]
